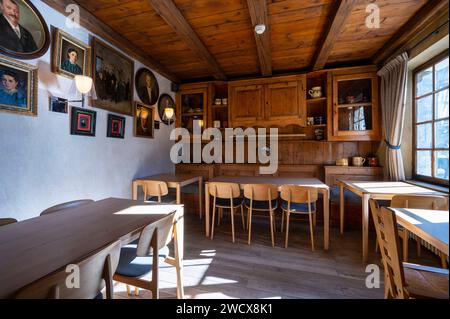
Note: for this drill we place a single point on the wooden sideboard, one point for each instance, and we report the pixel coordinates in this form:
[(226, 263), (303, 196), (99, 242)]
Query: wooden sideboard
[(332, 173)]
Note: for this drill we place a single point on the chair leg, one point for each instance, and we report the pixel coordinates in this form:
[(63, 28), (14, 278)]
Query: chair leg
[(271, 229), (232, 223), (311, 230), (136, 291), (419, 247), (315, 218), (249, 226), (282, 219), (286, 239), (242, 216), (219, 217), (128, 290), (213, 218), (376, 245), (405, 245)]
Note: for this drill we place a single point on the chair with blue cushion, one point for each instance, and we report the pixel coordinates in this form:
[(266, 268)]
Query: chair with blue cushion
[(157, 191), (93, 274), (261, 197), (137, 261), (299, 200), (228, 196)]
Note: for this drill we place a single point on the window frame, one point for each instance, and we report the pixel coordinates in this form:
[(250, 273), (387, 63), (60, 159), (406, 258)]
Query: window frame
[(430, 63)]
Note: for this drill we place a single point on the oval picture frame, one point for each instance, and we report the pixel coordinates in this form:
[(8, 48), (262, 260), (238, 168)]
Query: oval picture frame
[(162, 105), (28, 30), (141, 88)]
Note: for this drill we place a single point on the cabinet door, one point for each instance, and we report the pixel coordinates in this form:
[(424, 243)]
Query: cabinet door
[(285, 101), (246, 104), (355, 109), (191, 108)]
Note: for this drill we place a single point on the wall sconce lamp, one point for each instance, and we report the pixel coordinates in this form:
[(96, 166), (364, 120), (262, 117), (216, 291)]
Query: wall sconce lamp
[(168, 114), (84, 85)]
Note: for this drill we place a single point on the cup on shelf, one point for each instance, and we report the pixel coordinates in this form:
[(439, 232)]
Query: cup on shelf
[(358, 161), (315, 92), (310, 120), (216, 124), (319, 120), (218, 101), (342, 162), (225, 101)]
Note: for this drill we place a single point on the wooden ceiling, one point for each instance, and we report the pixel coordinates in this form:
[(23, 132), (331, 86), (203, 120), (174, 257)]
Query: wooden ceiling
[(204, 39)]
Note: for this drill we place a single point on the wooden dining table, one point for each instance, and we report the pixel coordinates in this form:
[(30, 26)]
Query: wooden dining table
[(378, 190), (429, 225), (173, 180), (36, 247), (279, 181)]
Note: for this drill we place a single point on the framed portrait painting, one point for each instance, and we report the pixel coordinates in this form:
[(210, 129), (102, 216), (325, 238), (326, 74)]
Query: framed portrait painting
[(70, 56), (113, 78), (165, 101), (116, 126), (58, 104), (147, 86), (143, 120), (18, 87), (82, 121), (24, 33)]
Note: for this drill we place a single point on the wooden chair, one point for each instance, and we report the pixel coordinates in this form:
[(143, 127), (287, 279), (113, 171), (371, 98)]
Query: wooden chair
[(299, 200), (419, 202), (404, 280), (261, 197), (136, 261), (226, 195), (157, 191), (95, 272), (7, 221), (72, 204)]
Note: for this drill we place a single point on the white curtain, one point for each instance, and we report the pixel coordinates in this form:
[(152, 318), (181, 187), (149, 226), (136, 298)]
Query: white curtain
[(393, 87)]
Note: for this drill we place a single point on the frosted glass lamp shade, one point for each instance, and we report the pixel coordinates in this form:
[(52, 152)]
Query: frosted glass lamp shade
[(169, 112), (83, 83)]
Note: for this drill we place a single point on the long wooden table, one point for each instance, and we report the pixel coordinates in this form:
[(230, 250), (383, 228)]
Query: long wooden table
[(279, 181), (173, 180), (430, 225), (36, 247), (383, 190)]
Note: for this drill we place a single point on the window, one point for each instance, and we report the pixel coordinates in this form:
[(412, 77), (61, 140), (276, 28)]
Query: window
[(431, 151)]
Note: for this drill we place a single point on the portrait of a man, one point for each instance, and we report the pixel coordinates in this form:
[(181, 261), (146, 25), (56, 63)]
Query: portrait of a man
[(70, 64), (143, 121), (15, 37), (12, 92), (147, 86)]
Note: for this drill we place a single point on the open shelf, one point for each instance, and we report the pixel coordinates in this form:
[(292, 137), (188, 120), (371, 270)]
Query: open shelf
[(316, 100), (355, 104)]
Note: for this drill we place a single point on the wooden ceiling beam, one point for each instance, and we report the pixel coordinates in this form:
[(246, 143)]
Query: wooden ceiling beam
[(341, 13), (418, 24), (175, 19), (258, 14), (96, 26)]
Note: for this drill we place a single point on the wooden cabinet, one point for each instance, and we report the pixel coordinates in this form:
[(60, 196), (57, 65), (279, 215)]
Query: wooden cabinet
[(354, 112), (268, 102), (192, 101), (247, 103)]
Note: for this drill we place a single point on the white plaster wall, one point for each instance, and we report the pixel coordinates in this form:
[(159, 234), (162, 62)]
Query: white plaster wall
[(41, 164)]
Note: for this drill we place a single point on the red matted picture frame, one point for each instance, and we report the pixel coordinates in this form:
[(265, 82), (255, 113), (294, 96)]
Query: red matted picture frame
[(116, 126), (82, 121)]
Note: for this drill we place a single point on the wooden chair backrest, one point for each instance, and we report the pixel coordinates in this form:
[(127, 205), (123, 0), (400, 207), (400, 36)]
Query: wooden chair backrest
[(7, 221), (224, 190), (420, 202), (156, 235), (266, 192), (299, 194), (95, 271), (72, 204), (388, 239), (155, 188)]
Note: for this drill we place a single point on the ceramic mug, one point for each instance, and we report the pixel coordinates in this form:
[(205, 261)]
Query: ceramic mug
[(310, 120), (358, 161), (218, 101), (342, 162), (225, 101), (372, 161), (315, 92)]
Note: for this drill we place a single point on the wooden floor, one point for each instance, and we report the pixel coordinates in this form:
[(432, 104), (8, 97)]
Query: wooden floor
[(220, 269)]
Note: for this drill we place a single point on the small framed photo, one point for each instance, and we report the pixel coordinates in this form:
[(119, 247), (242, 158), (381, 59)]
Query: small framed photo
[(143, 120), (82, 121), (156, 125), (58, 104), (18, 87), (70, 55), (116, 126)]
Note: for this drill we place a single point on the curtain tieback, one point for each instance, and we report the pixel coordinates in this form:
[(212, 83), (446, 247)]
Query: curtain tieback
[(392, 147)]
